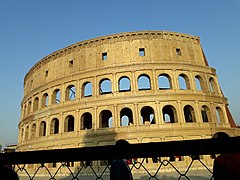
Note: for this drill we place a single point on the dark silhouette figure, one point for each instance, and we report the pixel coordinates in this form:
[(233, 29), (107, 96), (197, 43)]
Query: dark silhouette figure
[(6, 173), (119, 169), (226, 166)]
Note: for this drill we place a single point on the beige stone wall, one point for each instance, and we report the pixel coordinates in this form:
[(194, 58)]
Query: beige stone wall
[(170, 113)]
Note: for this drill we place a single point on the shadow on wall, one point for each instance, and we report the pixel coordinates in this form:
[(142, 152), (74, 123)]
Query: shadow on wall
[(87, 169)]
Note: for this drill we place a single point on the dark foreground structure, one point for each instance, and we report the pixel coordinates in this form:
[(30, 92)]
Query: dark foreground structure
[(138, 153)]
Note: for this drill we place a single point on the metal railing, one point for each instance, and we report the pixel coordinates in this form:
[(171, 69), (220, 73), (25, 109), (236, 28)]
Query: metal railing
[(89, 158)]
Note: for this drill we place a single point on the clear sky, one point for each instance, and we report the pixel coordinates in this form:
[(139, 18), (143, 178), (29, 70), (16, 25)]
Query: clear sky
[(30, 30)]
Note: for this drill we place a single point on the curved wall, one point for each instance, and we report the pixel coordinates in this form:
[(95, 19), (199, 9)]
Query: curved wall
[(140, 86)]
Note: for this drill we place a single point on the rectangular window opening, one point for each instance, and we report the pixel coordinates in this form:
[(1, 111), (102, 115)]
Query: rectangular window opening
[(141, 52), (178, 52), (104, 56), (71, 63)]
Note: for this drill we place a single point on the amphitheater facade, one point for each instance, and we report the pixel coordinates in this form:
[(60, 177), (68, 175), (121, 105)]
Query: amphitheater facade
[(146, 86)]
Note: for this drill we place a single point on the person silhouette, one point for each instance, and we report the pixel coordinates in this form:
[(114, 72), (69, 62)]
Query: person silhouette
[(226, 166), (7, 173), (119, 168)]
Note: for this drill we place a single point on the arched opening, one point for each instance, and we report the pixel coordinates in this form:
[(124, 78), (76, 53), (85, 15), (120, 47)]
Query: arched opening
[(33, 131), (147, 114), (164, 82), (86, 121), (199, 83), (106, 119), (105, 86), (189, 114), (45, 100), (206, 114), (87, 89), (169, 114), (126, 117), (183, 81), (35, 104), (69, 124), (144, 82), (29, 107), (56, 96), (26, 133), (43, 127), (54, 127), (213, 85), (124, 84), (219, 114), (70, 93)]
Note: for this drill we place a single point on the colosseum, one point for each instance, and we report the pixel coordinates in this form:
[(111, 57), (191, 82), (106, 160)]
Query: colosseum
[(146, 86)]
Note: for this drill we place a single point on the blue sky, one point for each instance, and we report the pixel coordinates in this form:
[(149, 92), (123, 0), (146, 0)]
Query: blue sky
[(30, 30)]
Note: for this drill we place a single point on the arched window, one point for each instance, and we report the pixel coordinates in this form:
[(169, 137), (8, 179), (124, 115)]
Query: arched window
[(183, 82), (25, 110), (144, 82), (199, 83), (69, 124), (26, 132), (29, 107), (45, 100), (126, 117), (213, 85), (147, 114), (206, 114), (70, 93), (33, 131), (43, 127), (87, 89), (56, 96), (86, 121), (219, 114), (124, 84), (106, 118), (189, 114), (169, 114), (22, 133), (105, 86), (35, 104), (164, 82), (54, 127)]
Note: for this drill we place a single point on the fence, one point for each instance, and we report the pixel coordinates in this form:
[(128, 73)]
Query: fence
[(89, 158)]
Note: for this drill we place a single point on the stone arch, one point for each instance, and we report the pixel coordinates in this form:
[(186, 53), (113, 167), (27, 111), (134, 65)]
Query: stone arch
[(183, 81), (206, 114), (169, 114), (26, 133), (36, 104), (144, 82), (189, 114), (54, 126), (69, 124), (105, 86), (56, 96), (220, 115), (105, 118), (87, 89), (124, 84), (126, 117), (164, 82), (199, 83), (29, 107), (33, 131), (212, 85), (45, 102), (147, 114), (42, 128), (86, 121), (70, 93)]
